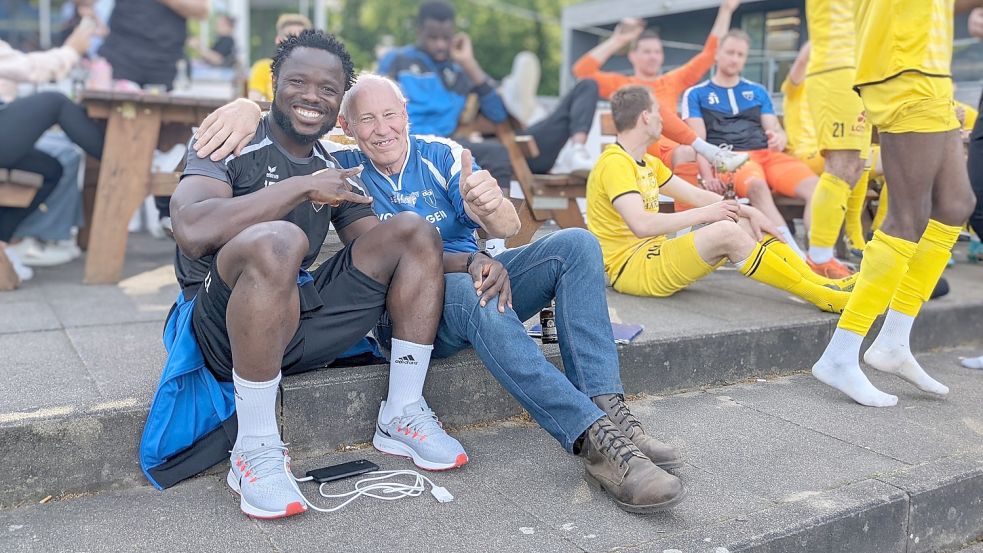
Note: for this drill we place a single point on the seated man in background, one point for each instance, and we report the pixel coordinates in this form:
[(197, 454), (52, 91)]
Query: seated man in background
[(729, 109), (260, 75), (623, 212), (583, 407), (440, 71), (679, 144), (248, 228)]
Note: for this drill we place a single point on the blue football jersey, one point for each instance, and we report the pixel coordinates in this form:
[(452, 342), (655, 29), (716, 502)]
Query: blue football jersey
[(428, 185)]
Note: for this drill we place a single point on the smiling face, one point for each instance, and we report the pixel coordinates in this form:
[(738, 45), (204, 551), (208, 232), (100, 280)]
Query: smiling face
[(378, 122), (307, 93), (647, 58), (435, 37)]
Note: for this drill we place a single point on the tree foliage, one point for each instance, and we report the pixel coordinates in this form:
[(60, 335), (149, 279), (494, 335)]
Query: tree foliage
[(498, 33)]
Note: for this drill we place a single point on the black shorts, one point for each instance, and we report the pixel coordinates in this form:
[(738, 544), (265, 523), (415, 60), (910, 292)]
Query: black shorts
[(337, 309)]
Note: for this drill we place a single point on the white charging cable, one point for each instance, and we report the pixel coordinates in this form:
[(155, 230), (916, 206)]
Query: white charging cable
[(377, 487)]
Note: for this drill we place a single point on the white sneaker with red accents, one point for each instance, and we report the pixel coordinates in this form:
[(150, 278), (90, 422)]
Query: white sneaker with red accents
[(260, 474), (419, 435)]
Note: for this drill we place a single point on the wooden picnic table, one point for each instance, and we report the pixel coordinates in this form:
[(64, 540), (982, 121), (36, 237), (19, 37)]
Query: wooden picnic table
[(135, 124)]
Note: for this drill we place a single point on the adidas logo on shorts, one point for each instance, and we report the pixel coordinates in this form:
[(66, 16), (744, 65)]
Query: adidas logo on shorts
[(405, 360)]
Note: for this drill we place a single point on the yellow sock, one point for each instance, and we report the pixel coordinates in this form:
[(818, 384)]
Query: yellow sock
[(853, 225), (768, 267), (881, 208), (829, 203), (925, 267), (885, 263), (789, 256)]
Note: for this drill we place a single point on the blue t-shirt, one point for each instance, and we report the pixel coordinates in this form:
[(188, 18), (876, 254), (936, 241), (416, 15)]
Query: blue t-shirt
[(428, 185), (732, 115)]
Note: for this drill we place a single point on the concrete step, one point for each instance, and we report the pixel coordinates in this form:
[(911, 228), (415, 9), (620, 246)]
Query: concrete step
[(782, 465), (85, 448)]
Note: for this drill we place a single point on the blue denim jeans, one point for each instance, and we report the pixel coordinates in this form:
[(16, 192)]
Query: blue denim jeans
[(566, 265)]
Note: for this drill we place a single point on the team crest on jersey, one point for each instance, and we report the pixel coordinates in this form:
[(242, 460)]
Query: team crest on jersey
[(430, 198), (748, 95), (713, 99)]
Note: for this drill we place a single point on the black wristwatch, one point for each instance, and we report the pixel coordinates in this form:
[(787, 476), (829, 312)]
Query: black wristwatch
[(471, 256)]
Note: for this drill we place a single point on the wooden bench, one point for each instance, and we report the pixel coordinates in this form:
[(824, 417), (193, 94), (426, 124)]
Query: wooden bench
[(17, 189), (545, 196)]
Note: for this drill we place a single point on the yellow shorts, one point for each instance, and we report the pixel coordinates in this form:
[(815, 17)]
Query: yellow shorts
[(662, 267), (837, 111), (911, 102)]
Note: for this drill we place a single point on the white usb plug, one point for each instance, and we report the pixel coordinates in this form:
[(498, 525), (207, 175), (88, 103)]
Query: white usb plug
[(441, 494)]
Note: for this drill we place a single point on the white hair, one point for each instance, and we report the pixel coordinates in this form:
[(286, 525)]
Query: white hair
[(348, 102)]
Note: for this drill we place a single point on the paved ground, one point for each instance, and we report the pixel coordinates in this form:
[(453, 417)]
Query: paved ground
[(762, 458)]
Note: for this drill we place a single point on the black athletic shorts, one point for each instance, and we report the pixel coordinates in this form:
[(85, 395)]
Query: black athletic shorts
[(336, 310)]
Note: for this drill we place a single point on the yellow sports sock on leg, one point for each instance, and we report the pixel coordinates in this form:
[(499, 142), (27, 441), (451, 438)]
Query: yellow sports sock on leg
[(925, 267), (789, 256), (853, 225), (768, 267), (881, 208), (884, 265), (829, 203)]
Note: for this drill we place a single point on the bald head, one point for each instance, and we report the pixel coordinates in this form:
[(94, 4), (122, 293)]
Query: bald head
[(374, 86)]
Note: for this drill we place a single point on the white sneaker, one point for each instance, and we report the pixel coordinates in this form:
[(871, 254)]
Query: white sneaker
[(727, 160), (35, 253), (165, 162), (261, 475), (574, 159), (418, 434), (519, 87), (24, 272)]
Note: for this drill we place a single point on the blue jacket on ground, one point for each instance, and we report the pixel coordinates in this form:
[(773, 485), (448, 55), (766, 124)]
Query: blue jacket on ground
[(191, 425), (437, 92)]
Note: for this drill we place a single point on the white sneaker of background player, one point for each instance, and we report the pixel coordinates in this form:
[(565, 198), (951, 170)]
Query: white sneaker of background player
[(165, 162), (574, 159), (520, 86)]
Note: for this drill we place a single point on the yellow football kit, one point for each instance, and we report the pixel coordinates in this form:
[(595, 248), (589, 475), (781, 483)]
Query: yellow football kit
[(261, 78), (904, 53), (797, 120), (654, 266)]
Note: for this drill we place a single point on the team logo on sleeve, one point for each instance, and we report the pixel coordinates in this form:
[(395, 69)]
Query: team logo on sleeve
[(748, 95), (429, 197)]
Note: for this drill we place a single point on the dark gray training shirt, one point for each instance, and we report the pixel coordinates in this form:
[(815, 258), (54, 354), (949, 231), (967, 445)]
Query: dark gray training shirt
[(265, 163)]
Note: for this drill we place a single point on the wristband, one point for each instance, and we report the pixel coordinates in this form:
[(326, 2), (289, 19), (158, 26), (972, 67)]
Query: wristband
[(471, 256)]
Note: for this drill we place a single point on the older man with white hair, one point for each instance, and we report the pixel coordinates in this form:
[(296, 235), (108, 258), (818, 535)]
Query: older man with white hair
[(584, 408)]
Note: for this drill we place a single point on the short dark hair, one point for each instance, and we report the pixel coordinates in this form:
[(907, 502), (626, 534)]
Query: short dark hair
[(435, 10), (646, 34), (312, 38), (628, 103)]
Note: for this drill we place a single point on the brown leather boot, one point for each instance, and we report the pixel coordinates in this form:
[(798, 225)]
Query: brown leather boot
[(614, 406), (613, 464)]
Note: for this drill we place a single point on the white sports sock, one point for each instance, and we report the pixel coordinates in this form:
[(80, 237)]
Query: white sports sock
[(790, 240), (839, 367), (408, 364), (891, 353), (704, 148), (820, 255), (973, 362), (256, 408)]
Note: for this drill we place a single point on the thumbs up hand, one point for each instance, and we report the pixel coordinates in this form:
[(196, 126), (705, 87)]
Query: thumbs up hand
[(479, 190)]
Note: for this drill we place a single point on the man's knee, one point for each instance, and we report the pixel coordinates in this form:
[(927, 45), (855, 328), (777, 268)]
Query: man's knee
[(955, 209), (757, 187), (410, 228), (587, 88), (683, 154), (578, 241), (845, 165), (274, 249), (52, 97)]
